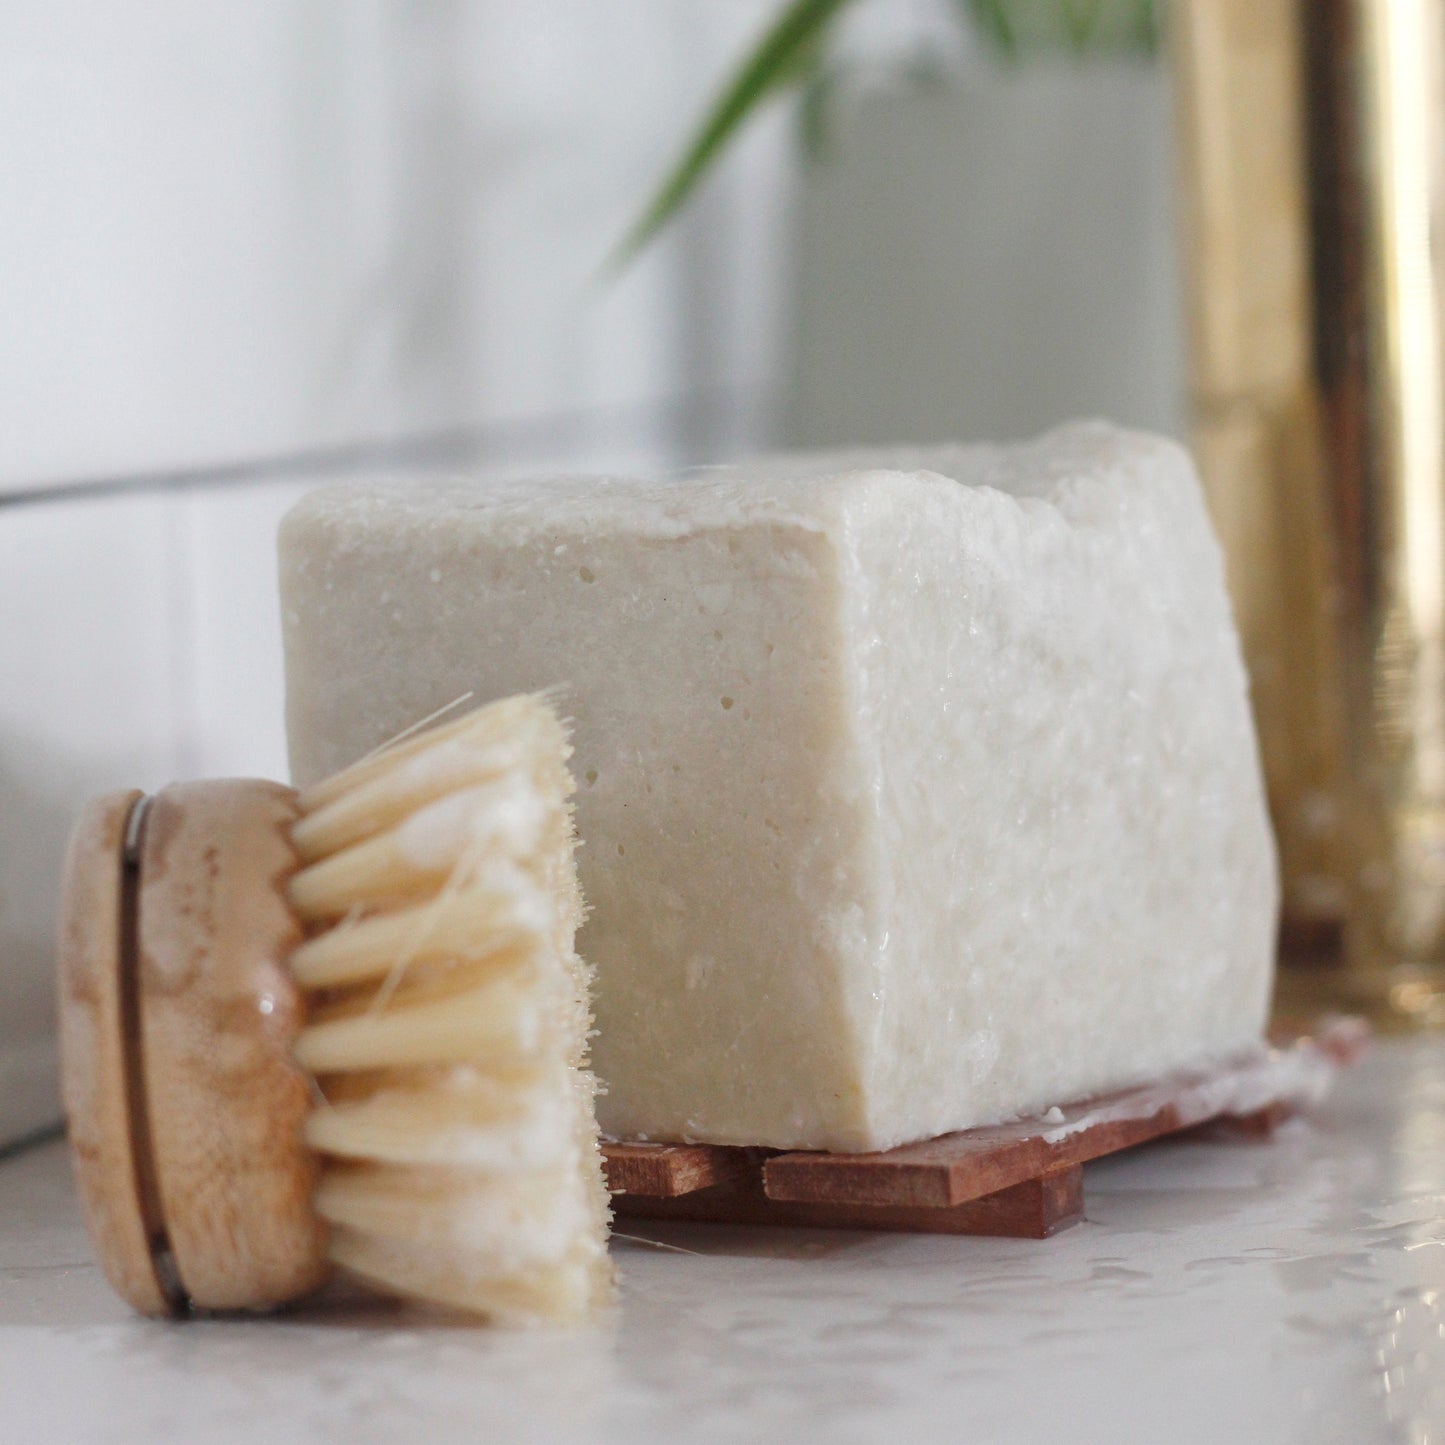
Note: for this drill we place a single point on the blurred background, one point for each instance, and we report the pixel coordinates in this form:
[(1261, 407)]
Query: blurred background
[(249, 248)]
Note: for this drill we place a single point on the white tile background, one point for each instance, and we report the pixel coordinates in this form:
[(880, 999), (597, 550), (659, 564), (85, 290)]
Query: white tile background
[(247, 229)]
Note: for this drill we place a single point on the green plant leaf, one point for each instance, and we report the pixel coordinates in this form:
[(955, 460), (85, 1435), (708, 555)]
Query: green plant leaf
[(992, 19), (1145, 31), (1081, 21), (793, 52), (1020, 29), (786, 55)]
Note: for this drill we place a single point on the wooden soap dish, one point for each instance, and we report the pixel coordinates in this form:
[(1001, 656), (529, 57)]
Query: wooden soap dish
[(1022, 1180)]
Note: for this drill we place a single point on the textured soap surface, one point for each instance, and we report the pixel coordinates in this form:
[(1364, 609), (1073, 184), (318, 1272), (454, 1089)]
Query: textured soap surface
[(916, 791)]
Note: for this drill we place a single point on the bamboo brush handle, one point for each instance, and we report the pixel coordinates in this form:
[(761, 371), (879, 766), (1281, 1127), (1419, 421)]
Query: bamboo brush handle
[(177, 1017)]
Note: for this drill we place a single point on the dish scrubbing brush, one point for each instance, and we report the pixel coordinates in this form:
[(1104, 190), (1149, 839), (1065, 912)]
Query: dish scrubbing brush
[(342, 1027)]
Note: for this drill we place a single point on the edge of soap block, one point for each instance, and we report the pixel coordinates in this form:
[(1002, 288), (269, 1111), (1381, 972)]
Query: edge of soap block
[(1088, 592)]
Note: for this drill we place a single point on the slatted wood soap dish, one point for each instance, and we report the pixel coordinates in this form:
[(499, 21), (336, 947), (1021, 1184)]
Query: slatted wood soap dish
[(1024, 1180)]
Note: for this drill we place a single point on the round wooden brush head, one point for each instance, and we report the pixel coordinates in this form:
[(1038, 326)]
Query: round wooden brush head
[(178, 1014)]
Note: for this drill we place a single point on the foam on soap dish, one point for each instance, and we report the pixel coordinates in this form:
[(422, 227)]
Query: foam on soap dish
[(920, 789)]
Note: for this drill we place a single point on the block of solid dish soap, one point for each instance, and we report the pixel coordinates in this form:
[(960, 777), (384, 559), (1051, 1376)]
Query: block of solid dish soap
[(917, 790)]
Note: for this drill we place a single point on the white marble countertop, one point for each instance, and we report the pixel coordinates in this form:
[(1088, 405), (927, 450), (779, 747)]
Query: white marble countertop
[(1293, 1291)]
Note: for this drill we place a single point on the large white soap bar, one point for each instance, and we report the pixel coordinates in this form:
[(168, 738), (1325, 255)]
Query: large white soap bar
[(916, 791)]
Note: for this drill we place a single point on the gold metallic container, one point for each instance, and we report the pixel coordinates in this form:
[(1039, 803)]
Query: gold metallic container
[(1246, 231), (1376, 109), (1312, 147)]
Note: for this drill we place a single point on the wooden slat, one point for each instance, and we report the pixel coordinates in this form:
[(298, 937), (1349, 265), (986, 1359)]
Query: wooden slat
[(1033, 1209), (664, 1171), (955, 1168), (1259, 1125), (1020, 1179), (935, 1174)]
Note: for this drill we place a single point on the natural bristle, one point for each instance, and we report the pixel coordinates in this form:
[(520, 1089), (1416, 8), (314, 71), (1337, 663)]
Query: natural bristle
[(475, 923), (448, 1020)]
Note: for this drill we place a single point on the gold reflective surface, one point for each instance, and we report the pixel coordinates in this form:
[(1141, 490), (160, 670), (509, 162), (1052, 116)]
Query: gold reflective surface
[(1312, 147), (1245, 235)]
